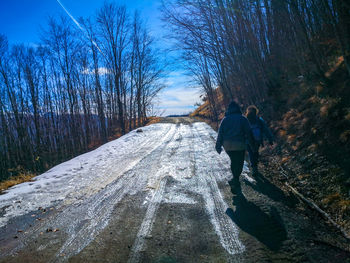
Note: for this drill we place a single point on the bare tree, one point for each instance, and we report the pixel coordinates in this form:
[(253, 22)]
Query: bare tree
[(251, 48), (74, 90), (113, 24)]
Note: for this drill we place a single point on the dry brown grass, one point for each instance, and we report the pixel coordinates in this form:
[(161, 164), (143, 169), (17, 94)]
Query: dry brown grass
[(14, 180), (338, 63), (153, 120), (297, 145), (324, 110), (282, 133), (314, 99), (319, 89), (347, 117), (305, 121), (345, 136), (202, 110), (285, 159), (330, 199), (337, 202), (313, 147), (291, 138)]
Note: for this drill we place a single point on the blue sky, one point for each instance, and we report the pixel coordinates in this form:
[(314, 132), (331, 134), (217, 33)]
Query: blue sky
[(21, 22)]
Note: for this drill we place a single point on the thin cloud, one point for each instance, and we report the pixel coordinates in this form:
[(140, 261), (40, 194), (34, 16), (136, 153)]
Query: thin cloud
[(179, 100), (101, 71)]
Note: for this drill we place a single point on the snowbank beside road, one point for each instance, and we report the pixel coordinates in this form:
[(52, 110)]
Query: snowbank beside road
[(81, 176)]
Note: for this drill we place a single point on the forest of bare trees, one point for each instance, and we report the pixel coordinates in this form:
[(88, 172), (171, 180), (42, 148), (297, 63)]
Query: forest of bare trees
[(251, 48), (84, 84), (77, 88)]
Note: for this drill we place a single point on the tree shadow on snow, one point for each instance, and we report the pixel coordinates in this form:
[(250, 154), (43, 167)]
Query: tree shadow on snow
[(267, 228)]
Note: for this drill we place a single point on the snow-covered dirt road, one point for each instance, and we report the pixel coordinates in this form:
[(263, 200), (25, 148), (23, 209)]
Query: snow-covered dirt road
[(160, 195)]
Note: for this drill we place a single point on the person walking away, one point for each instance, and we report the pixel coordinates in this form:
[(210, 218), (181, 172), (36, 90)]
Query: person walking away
[(260, 131), (234, 132)]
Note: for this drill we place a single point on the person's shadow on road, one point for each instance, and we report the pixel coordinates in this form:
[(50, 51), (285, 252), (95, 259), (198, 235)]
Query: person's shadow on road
[(264, 186), (267, 228)]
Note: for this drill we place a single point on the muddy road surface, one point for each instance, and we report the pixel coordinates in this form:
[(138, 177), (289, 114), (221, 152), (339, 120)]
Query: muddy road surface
[(159, 194)]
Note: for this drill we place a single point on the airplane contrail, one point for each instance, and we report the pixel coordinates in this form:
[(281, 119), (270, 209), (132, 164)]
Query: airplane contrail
[(80, 27)]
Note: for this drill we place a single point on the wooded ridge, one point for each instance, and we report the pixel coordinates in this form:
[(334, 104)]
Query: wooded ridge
[(79, 87)]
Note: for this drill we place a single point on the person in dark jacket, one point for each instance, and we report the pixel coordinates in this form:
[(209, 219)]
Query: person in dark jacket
[(234, 133), (260, 132)]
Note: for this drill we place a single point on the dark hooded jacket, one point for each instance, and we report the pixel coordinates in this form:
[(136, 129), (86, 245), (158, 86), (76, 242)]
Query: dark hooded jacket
[(234, 129)]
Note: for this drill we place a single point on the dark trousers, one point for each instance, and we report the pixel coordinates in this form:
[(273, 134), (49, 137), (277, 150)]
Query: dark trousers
[(253, 157), (237, 161)]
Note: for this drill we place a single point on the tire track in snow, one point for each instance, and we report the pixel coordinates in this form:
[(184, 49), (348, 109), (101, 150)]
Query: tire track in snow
[(215, 204), (115, 162), (147, 223), (149, 219), (84, 220), (93, 212), (91, 217), (73, 181)]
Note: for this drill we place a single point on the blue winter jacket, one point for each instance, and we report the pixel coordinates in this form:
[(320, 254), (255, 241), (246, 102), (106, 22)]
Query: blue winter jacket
[(265, 131), (234, 127)]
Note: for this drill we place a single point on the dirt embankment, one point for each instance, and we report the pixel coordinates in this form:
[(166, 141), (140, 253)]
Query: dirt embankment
[(311, 123), (314, 143)]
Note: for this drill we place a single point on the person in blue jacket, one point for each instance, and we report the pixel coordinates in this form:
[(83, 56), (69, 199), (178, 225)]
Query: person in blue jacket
[(234, 133), (260, 132)]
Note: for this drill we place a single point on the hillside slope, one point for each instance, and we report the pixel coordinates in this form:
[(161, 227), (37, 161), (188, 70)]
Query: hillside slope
[(311, 122)]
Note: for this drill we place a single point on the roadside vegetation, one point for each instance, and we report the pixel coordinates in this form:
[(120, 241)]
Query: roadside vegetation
[(19, 176), (291, 59)]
